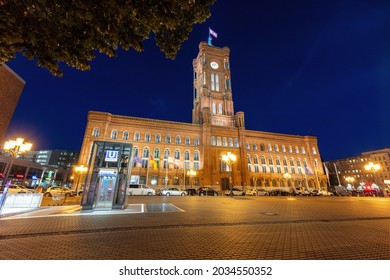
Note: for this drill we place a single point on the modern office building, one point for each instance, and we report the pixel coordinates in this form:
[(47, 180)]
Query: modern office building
[(353, 170), (163, 152), (59, 158), (11, 87)]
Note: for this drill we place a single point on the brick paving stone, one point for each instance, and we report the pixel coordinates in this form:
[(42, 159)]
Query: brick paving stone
[(209, 228)]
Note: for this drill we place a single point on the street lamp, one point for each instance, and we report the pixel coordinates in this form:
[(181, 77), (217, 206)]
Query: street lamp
[(371, 167), (230, 158), (287, 176), (80, 169), (15, 147), (191, 173)]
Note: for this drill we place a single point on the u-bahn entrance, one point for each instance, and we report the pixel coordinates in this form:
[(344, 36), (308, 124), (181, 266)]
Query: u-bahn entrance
[(107, 177)]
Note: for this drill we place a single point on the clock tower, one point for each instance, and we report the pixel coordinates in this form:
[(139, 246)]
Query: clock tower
[(213, 101)]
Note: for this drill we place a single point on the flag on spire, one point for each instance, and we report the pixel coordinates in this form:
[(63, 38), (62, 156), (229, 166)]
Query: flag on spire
[(213, 33)]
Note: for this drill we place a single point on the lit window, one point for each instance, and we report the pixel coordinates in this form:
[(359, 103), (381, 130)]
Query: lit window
[(95, 132)]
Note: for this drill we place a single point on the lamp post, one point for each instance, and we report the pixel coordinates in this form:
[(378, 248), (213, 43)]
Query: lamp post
[(230, 158), (15, 147), (372, 167), (80, 169), (287, 176)]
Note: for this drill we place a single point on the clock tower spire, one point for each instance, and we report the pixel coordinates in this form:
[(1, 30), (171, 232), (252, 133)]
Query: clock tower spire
[(213, 101)]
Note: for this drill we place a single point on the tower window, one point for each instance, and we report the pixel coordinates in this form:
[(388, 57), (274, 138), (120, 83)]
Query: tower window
[(214, 82)]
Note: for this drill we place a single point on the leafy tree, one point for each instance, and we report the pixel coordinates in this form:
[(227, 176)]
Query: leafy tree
[(71, 31)]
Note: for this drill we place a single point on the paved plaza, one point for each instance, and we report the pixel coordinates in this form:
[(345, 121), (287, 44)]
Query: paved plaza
[(200, 228)]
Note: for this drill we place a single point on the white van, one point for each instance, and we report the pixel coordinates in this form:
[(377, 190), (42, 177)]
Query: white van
[(140, 190)]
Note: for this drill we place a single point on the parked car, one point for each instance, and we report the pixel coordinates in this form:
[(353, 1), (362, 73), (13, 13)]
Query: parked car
[(59, 190), (173, 191), (279, 192), (141, 189), (256, 191), (341, 191), (251, 191), (13, 189), (297, 191), (234, 191), (191, 192), (207, 191)]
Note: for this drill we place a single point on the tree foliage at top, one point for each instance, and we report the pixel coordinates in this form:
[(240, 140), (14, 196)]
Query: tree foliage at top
[(70, 31)]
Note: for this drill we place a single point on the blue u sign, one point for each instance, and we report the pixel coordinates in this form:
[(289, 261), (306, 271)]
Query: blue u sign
[(111, 156)]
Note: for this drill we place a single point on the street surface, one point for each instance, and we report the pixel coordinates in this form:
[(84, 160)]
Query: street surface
[(202, 228)]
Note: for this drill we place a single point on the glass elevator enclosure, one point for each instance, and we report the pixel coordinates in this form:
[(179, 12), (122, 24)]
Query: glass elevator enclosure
[(107, 177)]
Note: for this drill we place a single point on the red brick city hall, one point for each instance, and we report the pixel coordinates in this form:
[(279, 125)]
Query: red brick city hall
[(213, 150)]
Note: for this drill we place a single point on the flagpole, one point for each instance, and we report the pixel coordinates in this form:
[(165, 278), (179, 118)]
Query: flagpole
[(184, 171), (327, 173), (337, 174), (147, 173), (166, 174)]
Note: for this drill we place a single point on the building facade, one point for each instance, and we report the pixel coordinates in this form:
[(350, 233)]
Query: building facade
[(164, 151), (11, 87), (342, 170)]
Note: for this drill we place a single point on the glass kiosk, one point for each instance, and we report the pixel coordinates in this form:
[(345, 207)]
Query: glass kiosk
[(107, 177)]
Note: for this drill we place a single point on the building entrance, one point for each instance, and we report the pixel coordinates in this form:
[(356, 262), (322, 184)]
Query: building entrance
[(225, 184), (108, 176), (105, 188)]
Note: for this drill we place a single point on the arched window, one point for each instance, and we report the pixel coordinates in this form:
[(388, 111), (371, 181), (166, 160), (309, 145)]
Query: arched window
[(269, 148), (136, 136), (167, 152), (248, 158), (276, 148), (156, 157), (188, 140), (236, 144), (187, 160), (125, 135), (256, 163), (224, 140), (262, 147), (196, 160), (219, 141), (114, 134), (147, 137), (177, 140), (296, 150), (247, 146), (158, 138), (254, 147), (303, 150), (95, 132), (196, 142), (213, 141), (145, 157), (168, 139), (313, 150), (283, 148), (177, 159), (290, 149), (230, 142), (263, 164)]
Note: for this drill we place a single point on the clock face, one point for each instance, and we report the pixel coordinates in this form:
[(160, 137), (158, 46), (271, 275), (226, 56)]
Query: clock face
[(214, 65)]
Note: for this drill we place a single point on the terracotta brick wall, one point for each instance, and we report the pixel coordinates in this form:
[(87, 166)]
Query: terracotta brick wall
[(11, 87)]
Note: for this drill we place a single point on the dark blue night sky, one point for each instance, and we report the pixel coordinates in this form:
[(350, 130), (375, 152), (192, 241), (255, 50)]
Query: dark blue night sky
[(303, 67)]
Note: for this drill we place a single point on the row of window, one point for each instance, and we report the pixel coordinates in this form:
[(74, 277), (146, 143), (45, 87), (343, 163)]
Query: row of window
[(267, 165), (215, 141), (146, 159), (148, 137), (284, 149)]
